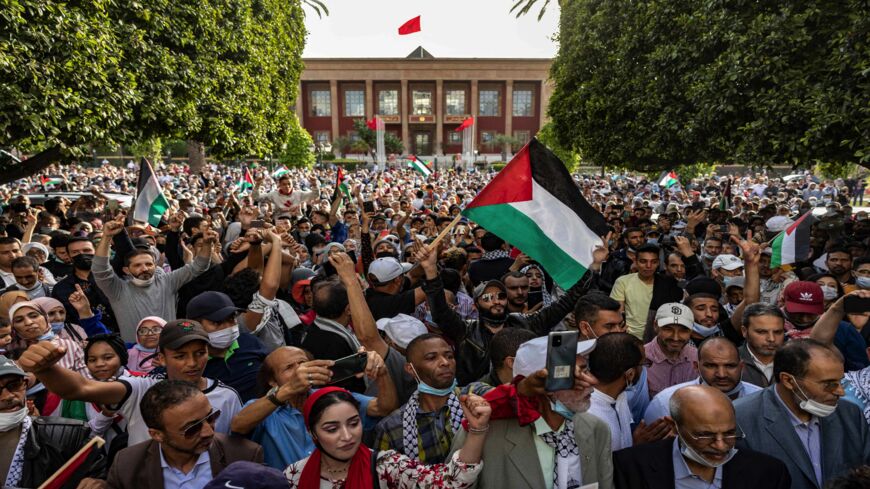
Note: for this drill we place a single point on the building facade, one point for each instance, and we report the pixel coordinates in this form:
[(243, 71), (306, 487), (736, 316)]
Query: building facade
[(423, 99)]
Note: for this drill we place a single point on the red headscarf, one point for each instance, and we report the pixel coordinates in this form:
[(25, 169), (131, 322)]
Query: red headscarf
[(359, 474)]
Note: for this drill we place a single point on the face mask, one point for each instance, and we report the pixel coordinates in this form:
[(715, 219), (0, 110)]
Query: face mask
[(812, 406), (138, 282), (798, 325), (12, 420), (561, 409), (83, 262), (696, 457), (224, 338), (45, 230), (46, 336), (31, 288), (704, 330), (830, 293), (303, 234), (653, 241), (708, 256), (424, 388), (56, 327), (143, 349), (863, 282)]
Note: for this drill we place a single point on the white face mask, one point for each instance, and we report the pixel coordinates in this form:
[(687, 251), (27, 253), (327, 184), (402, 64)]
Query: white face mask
[(703, 330), (224, 338), (12, 420), (812, 406), (830, 293), (694, 456), (31, 288), (138, 282)]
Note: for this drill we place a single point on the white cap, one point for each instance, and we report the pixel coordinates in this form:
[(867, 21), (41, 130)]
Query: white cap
[(675, 313), (402, 329), (532, 355), (728, 262), (778, 223), (386, 269)]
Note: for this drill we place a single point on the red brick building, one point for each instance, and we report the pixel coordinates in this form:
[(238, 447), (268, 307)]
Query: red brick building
[(423, 99)]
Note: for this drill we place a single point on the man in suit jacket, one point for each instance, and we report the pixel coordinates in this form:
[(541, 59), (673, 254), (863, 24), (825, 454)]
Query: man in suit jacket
[(702, 453), (544, 454), (184, 450), (798, 419)]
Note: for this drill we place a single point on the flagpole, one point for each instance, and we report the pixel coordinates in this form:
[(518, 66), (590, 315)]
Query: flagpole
[(99, 442), (445, 231)]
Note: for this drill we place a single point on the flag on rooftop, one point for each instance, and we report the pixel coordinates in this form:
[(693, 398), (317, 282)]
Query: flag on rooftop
[(410, 27)]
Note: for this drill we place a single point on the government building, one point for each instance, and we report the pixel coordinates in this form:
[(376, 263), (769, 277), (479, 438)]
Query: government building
[(423, 99)]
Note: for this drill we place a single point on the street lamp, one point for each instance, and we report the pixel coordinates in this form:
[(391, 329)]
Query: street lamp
[(94, 154)]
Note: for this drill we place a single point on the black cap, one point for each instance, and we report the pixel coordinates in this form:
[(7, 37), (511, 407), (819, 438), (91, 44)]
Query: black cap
[(248, 475), (703, 285), (181, 332), (211, 305)]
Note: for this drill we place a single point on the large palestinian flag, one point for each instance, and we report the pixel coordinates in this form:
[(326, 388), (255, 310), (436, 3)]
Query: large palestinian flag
[(534, 204), (151, 204), (420, 166), (792, 244)]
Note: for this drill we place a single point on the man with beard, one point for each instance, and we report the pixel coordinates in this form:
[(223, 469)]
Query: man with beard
[(423, 427), (33, 448), (149, 291), (517, 286), (184, 450), (720, 367), (565, 447), (670, 358), (702, 455), (284, 199), (839, 263), (81, 253)]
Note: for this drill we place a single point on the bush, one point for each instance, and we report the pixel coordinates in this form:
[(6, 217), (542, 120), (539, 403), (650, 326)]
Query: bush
[(296, 152), (327, 156), (498, 165), (349, 164)]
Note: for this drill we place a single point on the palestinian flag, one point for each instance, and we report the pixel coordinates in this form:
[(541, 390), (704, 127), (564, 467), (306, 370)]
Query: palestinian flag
[(341, 186), (151, 204), (534, 204), (419, 166), (281, 170), (246, 182), (725, 203), (65, 473), (668, 179), (46, 180), (793, 244)]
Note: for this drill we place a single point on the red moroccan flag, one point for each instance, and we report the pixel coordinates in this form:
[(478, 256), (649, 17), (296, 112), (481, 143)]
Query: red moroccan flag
[(466, 123), (372, 123), (410, 27)]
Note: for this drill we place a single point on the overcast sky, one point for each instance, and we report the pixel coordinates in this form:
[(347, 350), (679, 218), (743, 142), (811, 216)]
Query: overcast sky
[(450, 28)]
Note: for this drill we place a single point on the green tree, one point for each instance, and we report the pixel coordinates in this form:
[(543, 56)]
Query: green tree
[(296, 153), (503, 142), (392, 144), (570, 158), (653, 85)]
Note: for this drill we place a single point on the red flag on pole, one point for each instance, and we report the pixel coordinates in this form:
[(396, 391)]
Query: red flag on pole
[(466, 123), (410, 27), (372, 123)]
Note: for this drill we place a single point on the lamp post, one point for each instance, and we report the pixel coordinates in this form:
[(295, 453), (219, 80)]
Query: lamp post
[(94, 154)]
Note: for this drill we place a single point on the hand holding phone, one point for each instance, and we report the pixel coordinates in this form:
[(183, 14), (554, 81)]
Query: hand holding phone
[(855, 304), (561, 360), (349, 366)]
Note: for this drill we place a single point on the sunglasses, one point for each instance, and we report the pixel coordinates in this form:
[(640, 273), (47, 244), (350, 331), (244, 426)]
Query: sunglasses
[(13, 385), (491, 296), (196, 427)]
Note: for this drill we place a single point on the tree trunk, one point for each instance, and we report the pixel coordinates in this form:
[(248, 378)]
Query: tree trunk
[(195, 155), (31, 165)]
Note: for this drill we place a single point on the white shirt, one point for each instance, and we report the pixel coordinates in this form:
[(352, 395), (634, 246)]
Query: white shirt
[(617, 414), (219, 395), (659, 406), (766, 368), (8, 278)]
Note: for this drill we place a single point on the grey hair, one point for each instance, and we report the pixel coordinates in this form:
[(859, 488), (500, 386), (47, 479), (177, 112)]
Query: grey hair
[(675, 409)]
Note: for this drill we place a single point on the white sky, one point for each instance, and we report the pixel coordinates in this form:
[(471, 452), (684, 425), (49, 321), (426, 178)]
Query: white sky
[(450, 29)]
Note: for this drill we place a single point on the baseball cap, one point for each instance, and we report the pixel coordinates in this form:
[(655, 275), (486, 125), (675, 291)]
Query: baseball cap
[(728, 262), (388, 268), (248, 475), (734, 282), (8, 367), (478, 291), (181, 332), (211, 305), (778, 223), (402, 329), (703, 285), (675, 313), (532, 355), (804, 297)]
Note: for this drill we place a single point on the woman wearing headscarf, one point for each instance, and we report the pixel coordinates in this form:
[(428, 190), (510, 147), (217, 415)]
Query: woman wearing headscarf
[(141, 357), (31, 325), (341, 461), (538, 293), (40, 252)]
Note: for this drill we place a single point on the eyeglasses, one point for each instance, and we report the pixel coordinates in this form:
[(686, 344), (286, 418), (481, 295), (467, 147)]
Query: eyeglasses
[(489, 297), (12, 386), (148, 332), (196, 427), (728, 437), (827, 385)]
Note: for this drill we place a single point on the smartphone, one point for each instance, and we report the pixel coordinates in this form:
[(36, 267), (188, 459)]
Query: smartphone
[(18, 207), (724, 229), (852, 304), (347, 367), (258, 223), (697, 206), (368, 206), (561, 359)]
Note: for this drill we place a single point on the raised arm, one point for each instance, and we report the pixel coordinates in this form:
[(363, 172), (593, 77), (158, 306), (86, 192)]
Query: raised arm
[(826, 327), (363, 322), (752, 289), (271, 277), (104, 276), (199, 264)]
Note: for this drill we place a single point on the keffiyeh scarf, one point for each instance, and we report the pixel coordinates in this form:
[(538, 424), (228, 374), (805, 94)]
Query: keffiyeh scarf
[(566, 471), (411, 444), (16, 468), (860, 380), (495, 255)]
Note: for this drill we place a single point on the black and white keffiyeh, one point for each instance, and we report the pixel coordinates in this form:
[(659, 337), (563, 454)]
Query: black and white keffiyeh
[(16, 468), (566, 470), (495, 254), (411, 444), (860, 380)]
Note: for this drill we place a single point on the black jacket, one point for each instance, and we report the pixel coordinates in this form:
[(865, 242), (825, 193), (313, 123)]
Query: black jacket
[(472, 338), (651, 466), (50, 443)]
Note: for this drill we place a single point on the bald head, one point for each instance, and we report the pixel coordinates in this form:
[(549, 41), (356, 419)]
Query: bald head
[(697, 405), (719, 344)]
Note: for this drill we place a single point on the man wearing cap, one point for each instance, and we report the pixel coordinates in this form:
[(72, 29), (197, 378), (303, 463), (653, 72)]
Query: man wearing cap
[(726, 266), (183, 350), (235, 356), (185, 451), (670, 358), (33, 448), (719, 365), (564, 447), (803, 303), (385, 297), (148, 291), (733, 293)]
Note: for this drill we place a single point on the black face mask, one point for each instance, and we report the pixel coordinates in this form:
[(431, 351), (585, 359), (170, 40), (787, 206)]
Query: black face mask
[(83, 261)]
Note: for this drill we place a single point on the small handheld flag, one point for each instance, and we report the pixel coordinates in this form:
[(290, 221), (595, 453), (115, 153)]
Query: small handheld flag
[(151, 204), (669, 179), (419, 166), (246, 182), (792, 244), (281, 170)]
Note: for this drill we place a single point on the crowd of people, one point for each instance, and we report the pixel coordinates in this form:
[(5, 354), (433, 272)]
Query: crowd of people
[(327, 334)]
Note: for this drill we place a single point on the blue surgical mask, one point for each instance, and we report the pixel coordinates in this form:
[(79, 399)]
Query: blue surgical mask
[(47, 336), (561, 409), (653, 241), (704, 330), (143, 349), (424, 388), (56, 327), (863, 282)]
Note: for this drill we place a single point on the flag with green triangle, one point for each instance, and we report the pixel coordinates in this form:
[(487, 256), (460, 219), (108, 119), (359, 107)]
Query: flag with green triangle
[(422, 167), (246, 182)]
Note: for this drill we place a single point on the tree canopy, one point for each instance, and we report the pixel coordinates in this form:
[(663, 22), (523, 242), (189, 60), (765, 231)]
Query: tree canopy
[(652, 85), (222, 73)]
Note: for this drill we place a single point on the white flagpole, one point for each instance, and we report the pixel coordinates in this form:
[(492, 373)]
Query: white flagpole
[(381, 151)]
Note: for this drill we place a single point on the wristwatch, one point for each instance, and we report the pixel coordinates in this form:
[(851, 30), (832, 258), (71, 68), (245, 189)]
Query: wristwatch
[(273, 398)]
